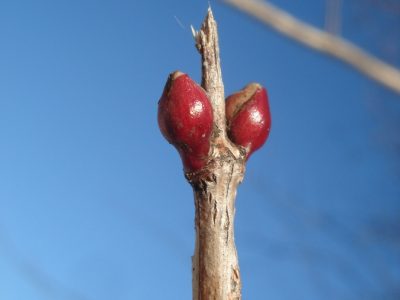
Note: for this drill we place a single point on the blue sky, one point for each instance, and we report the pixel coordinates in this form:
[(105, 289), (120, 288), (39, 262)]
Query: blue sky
[(93, 202)]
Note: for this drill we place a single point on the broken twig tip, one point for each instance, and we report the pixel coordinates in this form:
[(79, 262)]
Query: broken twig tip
[(209, 12)]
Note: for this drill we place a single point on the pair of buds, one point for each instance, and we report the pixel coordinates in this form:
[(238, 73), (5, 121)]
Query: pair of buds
[(185, 118)]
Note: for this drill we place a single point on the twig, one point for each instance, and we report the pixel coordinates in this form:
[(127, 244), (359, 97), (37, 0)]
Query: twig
[(215, 264), (322, 41), (333, 16)]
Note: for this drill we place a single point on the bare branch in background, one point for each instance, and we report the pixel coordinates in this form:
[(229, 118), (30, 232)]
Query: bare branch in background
[(47, 286), (372, 241), (333, 16), (321, 41), (391, 6)]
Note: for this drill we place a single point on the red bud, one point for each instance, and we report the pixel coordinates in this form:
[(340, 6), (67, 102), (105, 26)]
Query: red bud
[(185, 119), (248, 117)]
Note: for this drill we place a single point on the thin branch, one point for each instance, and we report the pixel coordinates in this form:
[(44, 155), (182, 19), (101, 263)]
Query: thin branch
[(322, 41), (216, 273), (333, 16)]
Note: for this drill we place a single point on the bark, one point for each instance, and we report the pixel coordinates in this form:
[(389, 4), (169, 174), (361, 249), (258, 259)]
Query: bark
[(216, 273)]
